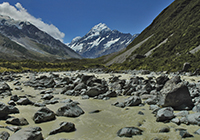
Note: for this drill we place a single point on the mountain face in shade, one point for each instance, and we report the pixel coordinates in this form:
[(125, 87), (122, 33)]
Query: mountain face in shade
[(101, 40), (26, 41)]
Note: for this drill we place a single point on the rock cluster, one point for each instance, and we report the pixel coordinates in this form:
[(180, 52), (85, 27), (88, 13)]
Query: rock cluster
[(164, 94)]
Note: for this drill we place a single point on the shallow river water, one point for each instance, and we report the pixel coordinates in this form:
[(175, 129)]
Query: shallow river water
[(98, 126)]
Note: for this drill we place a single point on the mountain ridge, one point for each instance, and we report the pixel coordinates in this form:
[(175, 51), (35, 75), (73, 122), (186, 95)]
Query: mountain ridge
[(36, 42), (175, 33), (101, 40)]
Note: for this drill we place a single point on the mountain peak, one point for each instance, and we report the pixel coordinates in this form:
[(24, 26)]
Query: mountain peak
[(100, 27)]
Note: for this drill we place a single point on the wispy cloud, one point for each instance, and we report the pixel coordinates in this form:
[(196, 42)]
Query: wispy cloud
[(18, 12)]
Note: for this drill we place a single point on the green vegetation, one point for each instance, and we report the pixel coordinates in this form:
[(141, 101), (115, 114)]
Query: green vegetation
[(64, 65), (181, 20)]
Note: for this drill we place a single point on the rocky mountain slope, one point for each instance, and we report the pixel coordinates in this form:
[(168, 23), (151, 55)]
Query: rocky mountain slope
[(101, 40), (22, 40), (172, 39)]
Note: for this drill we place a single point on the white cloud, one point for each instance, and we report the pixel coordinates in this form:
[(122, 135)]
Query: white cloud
[(18, 12)]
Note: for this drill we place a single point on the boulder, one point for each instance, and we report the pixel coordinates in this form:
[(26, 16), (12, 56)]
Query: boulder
[(4, 86), (13, 109), (186, 66), (4, 111), (4, 135), (93, 91), (47, 97), (5, 89), (53, 101), (11, 102), (165, 114), (152, 100), (70, 110), (183, 133), (130, 101), (129, 132), (42, 81), (164, 129), (197, 132), (110, 93), (176, 96), (13, 128), (196, 108), (119, 104), (183, 113), (85, 78), (133, 101), (24, 101), (14, 98), (64, 127), (44, 115), (107, 95), (161, 80), (80, 86), (176, 121), (191, 119), (29, 133), (153, 107), (17, 121)]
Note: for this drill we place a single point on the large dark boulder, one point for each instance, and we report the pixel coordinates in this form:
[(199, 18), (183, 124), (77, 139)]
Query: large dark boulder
[(44, 115), (13, 109), (4, 111), (129, 132), (186, 66), (70, 110), (86, 78), (4, 86), (176, 96), (29, 133), (5, 89), (64, 127), (162, 79)]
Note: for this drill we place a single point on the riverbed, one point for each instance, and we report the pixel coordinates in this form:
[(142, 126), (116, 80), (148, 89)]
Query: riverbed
[(103, 125)]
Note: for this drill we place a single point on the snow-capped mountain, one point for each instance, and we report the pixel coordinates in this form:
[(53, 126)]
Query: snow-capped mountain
[(26, 41), (101, 40)]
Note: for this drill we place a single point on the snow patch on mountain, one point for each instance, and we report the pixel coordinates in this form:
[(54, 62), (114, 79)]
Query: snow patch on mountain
[(76, 39), (109, 43), (94, 43), (100, 27), (77, 47)]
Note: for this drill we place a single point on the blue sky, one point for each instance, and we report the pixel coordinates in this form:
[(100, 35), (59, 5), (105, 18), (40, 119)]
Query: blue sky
[(76, 17)]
